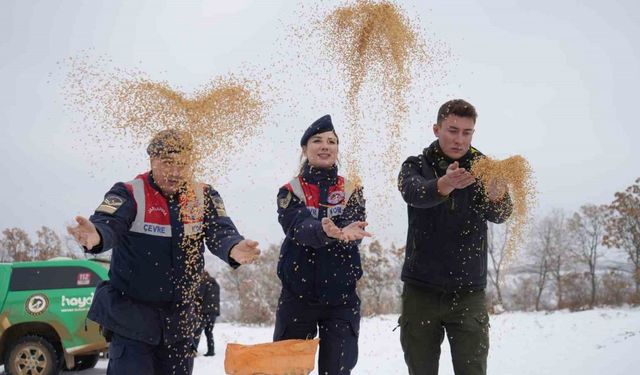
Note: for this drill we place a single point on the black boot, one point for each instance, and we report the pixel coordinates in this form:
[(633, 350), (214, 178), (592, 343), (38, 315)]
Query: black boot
[(210, 351)]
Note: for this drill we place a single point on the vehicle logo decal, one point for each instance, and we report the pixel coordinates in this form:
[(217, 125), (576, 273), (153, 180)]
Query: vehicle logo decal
[(36, 304), (78, 303)]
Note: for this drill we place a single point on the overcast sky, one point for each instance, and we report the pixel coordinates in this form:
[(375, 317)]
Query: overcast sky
[(554, 81)]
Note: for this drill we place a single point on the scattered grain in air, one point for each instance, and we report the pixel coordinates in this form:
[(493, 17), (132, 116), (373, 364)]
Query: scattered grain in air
[(374, 42), (516, 172), (123, 110), (370, 65)]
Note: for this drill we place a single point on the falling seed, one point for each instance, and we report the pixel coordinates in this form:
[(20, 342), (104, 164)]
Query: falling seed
[(374, 42), (123, 110), (517, 174)]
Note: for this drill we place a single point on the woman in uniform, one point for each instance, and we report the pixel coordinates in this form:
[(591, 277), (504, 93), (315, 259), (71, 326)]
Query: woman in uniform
[(323, 218)]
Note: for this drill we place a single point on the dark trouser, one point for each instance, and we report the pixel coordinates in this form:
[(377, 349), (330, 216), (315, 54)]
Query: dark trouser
[(426, 314), (208, 322), (338, 326), (132, 357)]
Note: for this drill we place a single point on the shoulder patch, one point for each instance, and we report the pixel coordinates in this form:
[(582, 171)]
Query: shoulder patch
[(110, 204), (218, 204), (284, 202)]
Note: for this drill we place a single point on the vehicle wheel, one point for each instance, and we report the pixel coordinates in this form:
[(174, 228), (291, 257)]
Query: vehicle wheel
[(32, 355), (85, 362)]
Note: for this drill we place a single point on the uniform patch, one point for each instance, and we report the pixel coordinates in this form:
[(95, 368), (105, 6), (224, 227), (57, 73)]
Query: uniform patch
[(219, 206), (335, 197), (110, 204), (335, 211), (284, 202), (192, 229), (191, 212)]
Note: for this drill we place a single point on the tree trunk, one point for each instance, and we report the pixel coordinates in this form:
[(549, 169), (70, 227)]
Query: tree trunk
[(559, 291), (593, 289)]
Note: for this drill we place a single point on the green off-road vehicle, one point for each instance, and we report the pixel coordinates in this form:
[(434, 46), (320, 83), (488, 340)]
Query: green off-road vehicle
[(43, 316)]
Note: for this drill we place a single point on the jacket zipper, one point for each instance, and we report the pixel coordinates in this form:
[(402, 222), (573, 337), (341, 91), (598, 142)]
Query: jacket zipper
[(412, 260), (483, 262)]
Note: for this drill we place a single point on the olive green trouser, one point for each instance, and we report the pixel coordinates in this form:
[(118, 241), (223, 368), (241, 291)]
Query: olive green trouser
[(427, 314)]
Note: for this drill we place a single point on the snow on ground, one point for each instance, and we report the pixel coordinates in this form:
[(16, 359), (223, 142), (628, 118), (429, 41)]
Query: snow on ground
[(586, 343)]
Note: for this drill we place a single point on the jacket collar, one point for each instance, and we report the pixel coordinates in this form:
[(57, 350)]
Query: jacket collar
[(313, 175), (440, 161)]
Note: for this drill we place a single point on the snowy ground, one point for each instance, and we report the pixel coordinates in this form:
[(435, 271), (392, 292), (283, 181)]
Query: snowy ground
[(590, 342)]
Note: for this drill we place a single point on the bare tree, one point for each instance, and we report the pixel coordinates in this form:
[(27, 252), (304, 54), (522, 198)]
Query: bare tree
[(16, 244), (376, 285), (496, 248), (396, 254), (4, 251), (623, 227), (587, 228), (559, 253), (255, 288), (230, 287), (541, 250), (524, 298), (48, 245), (615, 289)]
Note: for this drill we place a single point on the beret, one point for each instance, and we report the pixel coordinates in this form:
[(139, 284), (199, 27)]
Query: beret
[(321, 125)]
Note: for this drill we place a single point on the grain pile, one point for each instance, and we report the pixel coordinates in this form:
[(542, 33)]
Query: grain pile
[(516, 173)]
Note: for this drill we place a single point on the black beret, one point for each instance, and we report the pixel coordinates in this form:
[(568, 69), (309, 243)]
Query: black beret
[(169, 141), (321, 125)]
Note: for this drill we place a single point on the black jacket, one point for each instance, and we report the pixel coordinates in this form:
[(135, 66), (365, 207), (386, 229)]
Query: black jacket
[(210, 296), (447, 236)]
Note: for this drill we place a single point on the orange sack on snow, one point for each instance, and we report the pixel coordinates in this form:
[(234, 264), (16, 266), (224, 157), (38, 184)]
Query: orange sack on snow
[(287, 357)]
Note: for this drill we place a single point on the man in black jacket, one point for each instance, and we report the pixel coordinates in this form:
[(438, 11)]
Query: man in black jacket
[(445, 267)]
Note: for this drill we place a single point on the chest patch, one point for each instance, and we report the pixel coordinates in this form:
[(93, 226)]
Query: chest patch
[(335, 197)]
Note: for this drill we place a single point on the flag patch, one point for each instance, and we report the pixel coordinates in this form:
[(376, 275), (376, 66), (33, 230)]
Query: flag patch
[(110, 204)]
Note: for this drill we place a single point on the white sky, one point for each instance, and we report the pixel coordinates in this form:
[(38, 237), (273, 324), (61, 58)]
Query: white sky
[(552, 81)]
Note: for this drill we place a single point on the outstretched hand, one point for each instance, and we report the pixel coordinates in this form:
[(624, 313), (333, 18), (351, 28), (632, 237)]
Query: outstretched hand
[(245, 251), (455, 178), (85, 233), (352, 232), (496, 190), (330, 228), (355, 231)]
